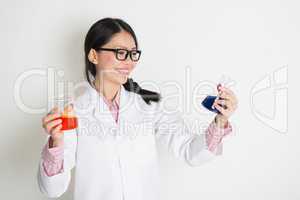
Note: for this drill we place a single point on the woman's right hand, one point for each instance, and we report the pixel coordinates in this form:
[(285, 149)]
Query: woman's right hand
[(53, 126)]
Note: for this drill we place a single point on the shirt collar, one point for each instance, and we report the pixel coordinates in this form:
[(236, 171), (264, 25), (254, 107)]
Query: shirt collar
[(114, 102)]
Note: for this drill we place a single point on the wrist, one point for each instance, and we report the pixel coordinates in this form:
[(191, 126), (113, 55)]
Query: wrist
[(221, 121), (55, 142)]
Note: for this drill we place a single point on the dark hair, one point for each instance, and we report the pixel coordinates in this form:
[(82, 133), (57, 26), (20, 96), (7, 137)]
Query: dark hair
[(101, 33)]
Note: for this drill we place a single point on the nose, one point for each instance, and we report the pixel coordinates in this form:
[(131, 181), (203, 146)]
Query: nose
[(128, 64), (128, 60)]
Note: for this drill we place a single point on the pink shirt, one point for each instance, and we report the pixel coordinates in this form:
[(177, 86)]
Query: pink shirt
[(53, 157)]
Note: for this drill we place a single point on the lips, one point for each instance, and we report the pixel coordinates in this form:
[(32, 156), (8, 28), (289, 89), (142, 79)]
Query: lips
[(123, 71)]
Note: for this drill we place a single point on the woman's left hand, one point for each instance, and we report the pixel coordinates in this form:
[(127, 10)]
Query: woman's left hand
[(229, 101)]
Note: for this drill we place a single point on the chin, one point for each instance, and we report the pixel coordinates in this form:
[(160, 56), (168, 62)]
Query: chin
[(122, 80)]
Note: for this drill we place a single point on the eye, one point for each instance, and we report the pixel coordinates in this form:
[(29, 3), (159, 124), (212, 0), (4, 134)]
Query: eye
[(134, 53), (122, 52)]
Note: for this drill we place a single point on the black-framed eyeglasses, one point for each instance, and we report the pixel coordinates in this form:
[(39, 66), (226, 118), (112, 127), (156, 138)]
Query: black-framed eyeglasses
[(122, 54)]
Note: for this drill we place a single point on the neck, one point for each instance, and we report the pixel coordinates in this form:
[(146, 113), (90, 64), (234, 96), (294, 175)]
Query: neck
[(107, 88)]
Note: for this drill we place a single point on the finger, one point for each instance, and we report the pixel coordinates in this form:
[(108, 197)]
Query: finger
[(226, 96), (222, 103), (222, 110), (57, 130), (228, 107), (227, 102), (52, 124), (51, 117), (223, 94)]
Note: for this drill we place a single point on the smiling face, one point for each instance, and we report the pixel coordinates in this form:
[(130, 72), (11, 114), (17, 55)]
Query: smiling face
[(108, 67)]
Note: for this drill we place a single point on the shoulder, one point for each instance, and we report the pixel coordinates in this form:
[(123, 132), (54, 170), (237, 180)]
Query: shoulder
[(85, 100), (153, 111)]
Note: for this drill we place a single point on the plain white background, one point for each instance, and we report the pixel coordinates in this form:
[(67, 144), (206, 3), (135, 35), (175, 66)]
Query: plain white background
[(243, 40)]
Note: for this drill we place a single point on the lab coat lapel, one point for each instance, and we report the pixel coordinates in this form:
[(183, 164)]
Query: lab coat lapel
[(101, 110)]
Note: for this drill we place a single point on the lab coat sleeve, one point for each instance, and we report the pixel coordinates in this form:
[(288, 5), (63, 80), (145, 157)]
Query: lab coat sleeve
[(54, 186), (186, 144)]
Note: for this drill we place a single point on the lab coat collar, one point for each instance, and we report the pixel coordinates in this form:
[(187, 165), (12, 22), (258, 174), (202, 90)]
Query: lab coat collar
[(100, 108)]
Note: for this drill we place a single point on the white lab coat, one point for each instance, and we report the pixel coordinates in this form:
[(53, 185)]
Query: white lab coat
[(119, 161)]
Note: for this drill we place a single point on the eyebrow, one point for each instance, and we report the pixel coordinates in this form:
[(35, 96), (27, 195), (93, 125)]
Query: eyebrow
[(125, 47)]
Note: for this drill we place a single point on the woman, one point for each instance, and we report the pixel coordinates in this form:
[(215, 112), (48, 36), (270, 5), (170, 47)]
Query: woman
[(114, 147)]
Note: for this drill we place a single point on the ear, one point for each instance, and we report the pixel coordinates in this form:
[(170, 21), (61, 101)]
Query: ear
[(92, 56)]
